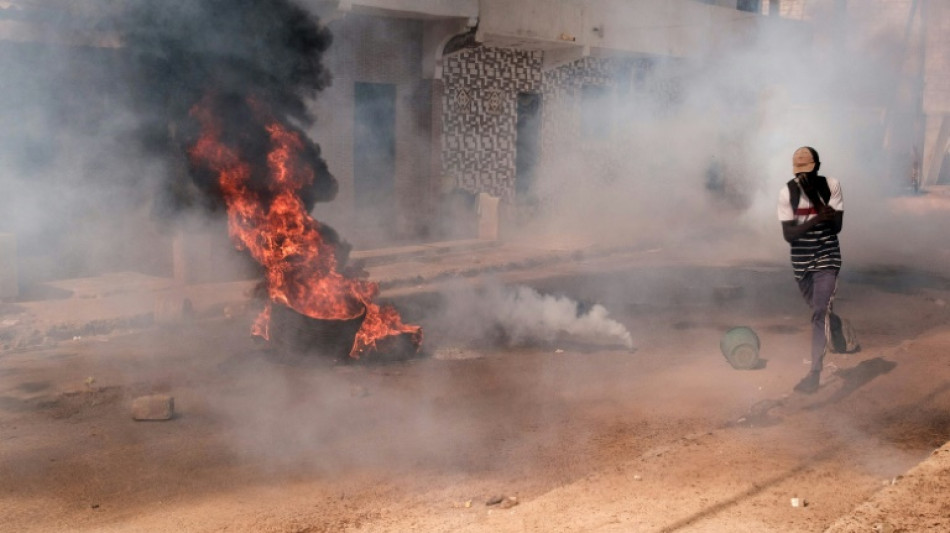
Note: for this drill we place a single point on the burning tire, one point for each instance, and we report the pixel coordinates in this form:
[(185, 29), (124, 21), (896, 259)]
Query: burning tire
[(294, 333)]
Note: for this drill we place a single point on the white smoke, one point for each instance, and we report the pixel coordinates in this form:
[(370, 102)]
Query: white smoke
[(522, 316), (528, 316)]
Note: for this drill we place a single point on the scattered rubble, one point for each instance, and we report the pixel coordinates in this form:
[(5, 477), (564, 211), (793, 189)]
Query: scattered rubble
[(76, 402)]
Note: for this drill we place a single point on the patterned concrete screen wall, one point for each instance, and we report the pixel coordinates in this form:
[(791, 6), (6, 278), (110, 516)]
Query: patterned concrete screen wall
[(481, 88), (480, 111)]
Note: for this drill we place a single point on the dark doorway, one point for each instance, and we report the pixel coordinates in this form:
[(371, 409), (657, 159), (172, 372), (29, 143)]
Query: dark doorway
[(374, 148), (527, 141), (943, 177), (752, 6)]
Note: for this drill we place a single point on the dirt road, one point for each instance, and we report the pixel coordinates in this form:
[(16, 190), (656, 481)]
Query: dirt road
[(555, 436)]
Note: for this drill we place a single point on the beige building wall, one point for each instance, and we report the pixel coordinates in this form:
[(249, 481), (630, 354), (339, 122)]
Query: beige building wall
[(677, 28), (381, 50), (936, 90)]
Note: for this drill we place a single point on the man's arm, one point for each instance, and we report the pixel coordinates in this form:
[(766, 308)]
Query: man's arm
[(792, 231)]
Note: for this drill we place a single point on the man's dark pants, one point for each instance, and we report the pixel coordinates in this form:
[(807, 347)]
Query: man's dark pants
[(818, 288)]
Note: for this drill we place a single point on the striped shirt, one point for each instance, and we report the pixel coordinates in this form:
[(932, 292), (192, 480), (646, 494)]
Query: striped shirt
[(818, 248)]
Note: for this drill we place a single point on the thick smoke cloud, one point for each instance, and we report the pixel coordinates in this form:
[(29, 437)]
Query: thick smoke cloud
[(95, 123), (237, 54), (695, 149), (66, 167)]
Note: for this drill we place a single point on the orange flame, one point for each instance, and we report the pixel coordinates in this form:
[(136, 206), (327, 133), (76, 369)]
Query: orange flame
[(301, 268)]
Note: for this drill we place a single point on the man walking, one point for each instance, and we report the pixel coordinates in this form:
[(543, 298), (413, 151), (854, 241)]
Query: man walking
[(811, 211)]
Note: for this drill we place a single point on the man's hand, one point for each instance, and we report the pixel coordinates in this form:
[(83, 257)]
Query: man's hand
[(825, 213), (792, 231)]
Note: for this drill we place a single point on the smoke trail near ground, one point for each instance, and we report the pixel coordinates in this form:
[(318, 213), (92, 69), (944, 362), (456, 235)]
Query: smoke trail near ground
[(526, 315), (495, 314)]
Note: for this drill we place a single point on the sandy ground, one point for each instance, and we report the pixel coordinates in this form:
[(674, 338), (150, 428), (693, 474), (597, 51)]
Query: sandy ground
[(566, 435)]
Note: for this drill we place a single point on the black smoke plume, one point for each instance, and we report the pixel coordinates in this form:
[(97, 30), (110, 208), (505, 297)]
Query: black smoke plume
[(232, 55)]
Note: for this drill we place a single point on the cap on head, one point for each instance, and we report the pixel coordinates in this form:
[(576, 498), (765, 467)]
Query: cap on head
[(805, 159)]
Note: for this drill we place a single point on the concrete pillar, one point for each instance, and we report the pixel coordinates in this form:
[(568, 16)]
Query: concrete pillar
[(936, 143), (197, 257), (9, 286), (206, 255), (436, 192), (179, 259), (488, 217)]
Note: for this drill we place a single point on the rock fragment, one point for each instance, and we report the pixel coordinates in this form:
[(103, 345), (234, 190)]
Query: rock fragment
[(153, 407), (508, 502)]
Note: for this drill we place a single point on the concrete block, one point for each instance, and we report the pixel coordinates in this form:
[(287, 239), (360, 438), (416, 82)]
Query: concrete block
[(9, 287), (153, 407)]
